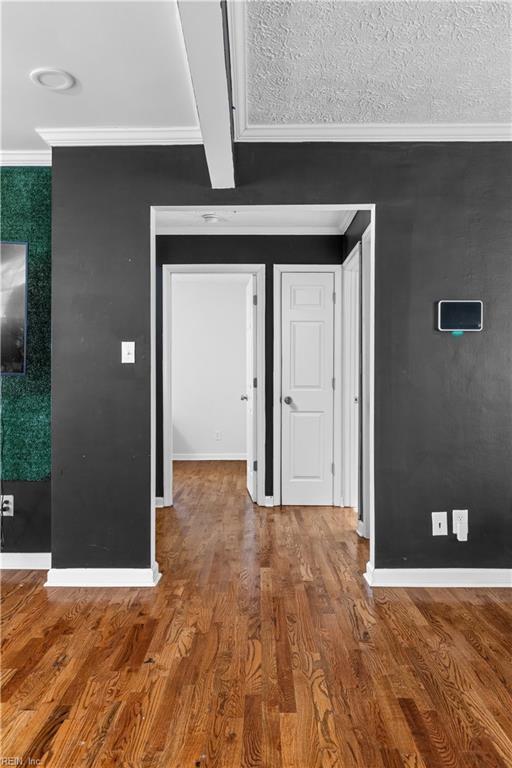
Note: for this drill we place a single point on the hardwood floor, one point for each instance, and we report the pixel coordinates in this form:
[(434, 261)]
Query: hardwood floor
[(261, 646)]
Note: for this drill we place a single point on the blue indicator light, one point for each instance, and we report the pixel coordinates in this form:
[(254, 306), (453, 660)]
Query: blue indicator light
[(457, 333)]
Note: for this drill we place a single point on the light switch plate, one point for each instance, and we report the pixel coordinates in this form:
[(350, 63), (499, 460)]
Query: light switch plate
[(127, 351), (439, 524)]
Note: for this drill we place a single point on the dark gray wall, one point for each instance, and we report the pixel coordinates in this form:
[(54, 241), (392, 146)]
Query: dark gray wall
[(443, 431), (234, 249), (29, 528)]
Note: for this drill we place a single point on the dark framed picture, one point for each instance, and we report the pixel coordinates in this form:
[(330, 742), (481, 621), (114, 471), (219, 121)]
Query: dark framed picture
[(13, 307)]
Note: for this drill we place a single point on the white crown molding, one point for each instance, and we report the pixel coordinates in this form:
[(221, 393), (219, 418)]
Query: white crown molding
[(103, 577), (438, 577), (119, 137), (376, 132), (26, 561), (13, 158)]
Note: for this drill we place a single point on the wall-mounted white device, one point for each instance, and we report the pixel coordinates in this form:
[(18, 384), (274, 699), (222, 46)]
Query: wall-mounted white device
[(439, 524), (127, 351), (458, 315), (460, 524), (7, 504)]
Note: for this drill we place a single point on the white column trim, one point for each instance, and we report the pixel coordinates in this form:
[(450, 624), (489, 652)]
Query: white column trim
[(203, 32)]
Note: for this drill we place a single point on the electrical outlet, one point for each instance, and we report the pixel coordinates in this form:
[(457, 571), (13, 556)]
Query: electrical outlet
[(7, 502), (218, 435), (439, 524), (460, 524)]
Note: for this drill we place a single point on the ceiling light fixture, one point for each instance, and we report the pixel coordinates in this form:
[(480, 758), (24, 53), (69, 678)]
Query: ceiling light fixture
[(52, 78)]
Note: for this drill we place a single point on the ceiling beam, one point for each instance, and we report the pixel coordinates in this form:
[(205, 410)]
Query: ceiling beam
[(203, 32)]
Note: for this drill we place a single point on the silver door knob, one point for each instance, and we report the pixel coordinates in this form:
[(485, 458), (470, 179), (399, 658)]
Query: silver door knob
[(288, 400), (243, 397)]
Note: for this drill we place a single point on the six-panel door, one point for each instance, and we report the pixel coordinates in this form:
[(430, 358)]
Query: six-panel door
[(307, 387)]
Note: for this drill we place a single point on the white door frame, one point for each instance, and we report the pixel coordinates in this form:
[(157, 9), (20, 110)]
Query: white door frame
[(279, 269), (350, 278), (365, 527), (156, 228), (258, 272)]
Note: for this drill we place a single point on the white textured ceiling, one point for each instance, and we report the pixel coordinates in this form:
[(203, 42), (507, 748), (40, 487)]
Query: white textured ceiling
[(331, 61), (128, 58)]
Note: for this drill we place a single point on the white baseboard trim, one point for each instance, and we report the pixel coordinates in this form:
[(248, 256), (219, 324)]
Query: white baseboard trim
[(269, 501), (209, 457), (159, 501), (26, 561), (103, 577), (438, 577)]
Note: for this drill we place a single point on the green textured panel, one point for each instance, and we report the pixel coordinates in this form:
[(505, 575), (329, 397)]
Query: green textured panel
[(26, 215)]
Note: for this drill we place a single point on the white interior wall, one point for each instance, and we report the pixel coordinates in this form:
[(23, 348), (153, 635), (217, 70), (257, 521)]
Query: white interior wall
[(209, 366)]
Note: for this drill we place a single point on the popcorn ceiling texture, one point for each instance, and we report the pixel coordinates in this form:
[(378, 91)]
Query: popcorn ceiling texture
[(25, 408), (327, 61)]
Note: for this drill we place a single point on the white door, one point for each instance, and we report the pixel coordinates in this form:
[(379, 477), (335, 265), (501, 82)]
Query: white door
[(307, 446), (351, 376), (249, 394)]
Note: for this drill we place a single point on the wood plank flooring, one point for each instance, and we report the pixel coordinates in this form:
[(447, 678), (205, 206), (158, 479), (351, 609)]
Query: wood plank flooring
[(262, 647)]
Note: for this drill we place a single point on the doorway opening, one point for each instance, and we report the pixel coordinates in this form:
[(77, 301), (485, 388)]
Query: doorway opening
[(283, 220), (213, 369), (324, 383)]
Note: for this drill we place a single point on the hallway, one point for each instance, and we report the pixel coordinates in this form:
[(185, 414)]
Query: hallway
[(261, 646)]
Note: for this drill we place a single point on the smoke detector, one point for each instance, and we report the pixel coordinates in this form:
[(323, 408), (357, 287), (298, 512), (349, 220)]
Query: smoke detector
[(211, 218)]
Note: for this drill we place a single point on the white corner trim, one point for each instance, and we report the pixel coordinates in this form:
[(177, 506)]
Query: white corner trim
[(269, 501), (438, 577), (119, 137), (13, 159), (103, 577), (26, 561), (209, 457), (363, 132)]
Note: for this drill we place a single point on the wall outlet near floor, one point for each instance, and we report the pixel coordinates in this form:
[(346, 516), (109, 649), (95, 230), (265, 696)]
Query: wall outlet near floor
[(460, 524), (7, 502), (439, 524)]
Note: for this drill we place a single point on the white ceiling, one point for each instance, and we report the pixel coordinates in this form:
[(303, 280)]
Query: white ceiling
[(254, 220), (128, 58), (318, 65), (303, 70)]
